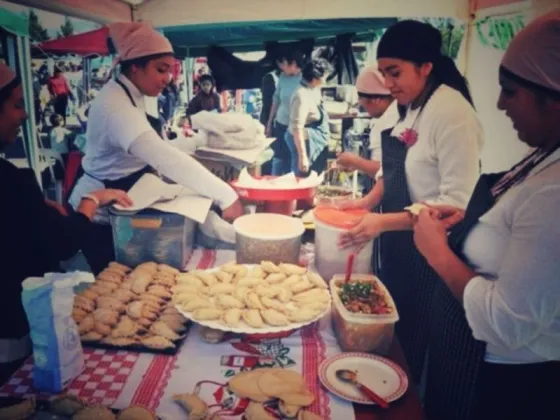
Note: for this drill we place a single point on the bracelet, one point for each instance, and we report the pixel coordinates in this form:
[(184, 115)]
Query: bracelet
[(92, 198)]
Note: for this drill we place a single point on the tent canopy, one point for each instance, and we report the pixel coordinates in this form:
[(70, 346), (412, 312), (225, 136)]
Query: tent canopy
[(84, 44), (15, 23), (192, 40)]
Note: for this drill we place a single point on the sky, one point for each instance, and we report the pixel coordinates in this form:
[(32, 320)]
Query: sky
[(51, 21)]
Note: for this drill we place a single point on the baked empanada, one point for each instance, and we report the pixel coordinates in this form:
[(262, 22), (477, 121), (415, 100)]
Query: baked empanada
[(110, 277), (168, 269), (221, 288), (303, 399), (174, 322), (195, 407), (149, 266), (126, 327), (159, 291), (289, 411), (274, 317), (245, 385), (121, 273), (141, 282), (97, 412), (20, 411), (157, 342), (83, 303), (107, 284), (232, 317), (78, 314), (120, 266), (228, 301), (91, 336), (171, 310), (89, 294), (102, 291), (123, 295), (136, 412), (106, 316), (86, 325), (253, 301), (207, 314), (66, 405), (101, 328), (110, 302), (166, 282), (252, 318)]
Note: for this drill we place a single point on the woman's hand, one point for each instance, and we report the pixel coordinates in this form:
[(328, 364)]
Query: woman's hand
[(268, 131), (370, 227), (359, 203), (430, 234), (58, 207), (448, 215), (233, 212), (303, 164), (346, 161), (110, 196)]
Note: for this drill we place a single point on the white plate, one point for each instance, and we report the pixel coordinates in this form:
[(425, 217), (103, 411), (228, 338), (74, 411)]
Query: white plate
[(245, 329), (381, 375)]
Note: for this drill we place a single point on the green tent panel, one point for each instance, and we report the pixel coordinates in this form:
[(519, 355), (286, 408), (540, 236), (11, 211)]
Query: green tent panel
[(193, 40), (18, 24)]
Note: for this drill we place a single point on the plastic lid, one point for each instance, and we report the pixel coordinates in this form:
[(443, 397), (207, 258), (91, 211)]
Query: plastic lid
[(343, 219)]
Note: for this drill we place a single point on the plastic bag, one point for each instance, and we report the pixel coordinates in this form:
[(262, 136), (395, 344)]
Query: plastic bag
[(57, 351)]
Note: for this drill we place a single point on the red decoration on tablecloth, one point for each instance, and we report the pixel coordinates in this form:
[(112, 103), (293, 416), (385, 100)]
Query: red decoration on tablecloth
[(314, 352), (409, 137), (104, 377)]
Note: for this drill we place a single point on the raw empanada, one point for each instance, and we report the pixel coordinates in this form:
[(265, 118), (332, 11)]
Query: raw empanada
[(303, 314), (136, 412), (188, 288), (313, 295), (224, 277), (274, 317), (249, 281), (207, 314), (162, 329), (120, 266), (228, 301), (242, 272), (317, 305), (66, 405), (240, 293), (276, 278), (197, 303), (268, 291), (209, 279), (302, 286), (231, 267), (106, 316), (232, 317), (20, 411), (189, 279), (221, 289), (182, 298), (258, 272), (270, 267), (91, 336), (86, 325), (157, 342), (83, 303), (107, 284), (317, 280), (284, 295), (119, 341), (273, 304), (253, 301), (253, 318), (109, 302), (168, 269), (97, 412), (291, 280), (195, 407), (290, 269)]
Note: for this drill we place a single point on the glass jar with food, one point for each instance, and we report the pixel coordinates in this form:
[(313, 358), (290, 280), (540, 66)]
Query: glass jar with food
[(364, 314)]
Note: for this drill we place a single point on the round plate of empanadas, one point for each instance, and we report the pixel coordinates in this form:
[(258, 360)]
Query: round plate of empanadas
[(252, 299)]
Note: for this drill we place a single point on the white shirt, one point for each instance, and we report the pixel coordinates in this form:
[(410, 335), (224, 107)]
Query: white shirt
[(121, 141), (443, 166), (514, 302), (389, 118)]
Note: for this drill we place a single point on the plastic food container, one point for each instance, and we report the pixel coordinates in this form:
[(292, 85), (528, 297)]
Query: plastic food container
[(152, 235), (329, 258), (268, 237), (362, 332)]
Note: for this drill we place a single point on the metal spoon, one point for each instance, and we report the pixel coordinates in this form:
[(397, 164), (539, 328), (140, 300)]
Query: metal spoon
[(349, 376)]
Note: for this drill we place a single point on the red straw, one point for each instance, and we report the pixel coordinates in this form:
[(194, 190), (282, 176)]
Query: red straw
[(349, 266)]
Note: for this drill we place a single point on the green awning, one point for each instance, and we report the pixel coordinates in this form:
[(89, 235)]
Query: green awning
[(193, 40), (18, 24)]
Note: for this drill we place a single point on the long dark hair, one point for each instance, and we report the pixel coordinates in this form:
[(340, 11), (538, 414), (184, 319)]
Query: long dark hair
[(421, 43)]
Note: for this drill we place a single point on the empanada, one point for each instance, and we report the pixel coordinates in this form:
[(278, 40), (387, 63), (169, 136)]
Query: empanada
[(182, 298), (317, 305), (171, 310), (102, 328), (317, 280), (291, 280), (232, 268), (197, 303), (207, 314), (102, 291), (302, 286), (136, 412), (159, 291), (256, 411), (168, 269), (78, 314), (195, 407), (273, 304), (300, 398), (164, 281), (121, 273), (161, 329), (86, 325), (126, 327), (120, 266), (110, 277), (240, 293), (220, 289), (188, 288), (228, 301), (258, 272), (109, 302), (141, 282), (284, 295), (253, 301), (290, 269), (270, 267), (303, 314), (91, 336), (308, 415), (107, 284), (276, 278), (123, 295), (313, 295), (268, 291), (83, 303), (245, 385), (149, 266), (252, 318), (89, 294), (274, 317), (106, 316), (189, 279), (241, 272), (249, 281), (232, 317), (209, 279), (289, 411), (156, 342), (224, 277), (97, 412)]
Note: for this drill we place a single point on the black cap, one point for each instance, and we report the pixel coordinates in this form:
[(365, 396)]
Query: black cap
[(411, 40)]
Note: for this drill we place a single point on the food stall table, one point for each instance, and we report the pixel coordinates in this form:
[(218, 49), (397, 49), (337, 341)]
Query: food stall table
[(123, 378)]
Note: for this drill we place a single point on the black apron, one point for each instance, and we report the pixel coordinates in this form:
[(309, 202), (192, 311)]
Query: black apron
[(404, 270)]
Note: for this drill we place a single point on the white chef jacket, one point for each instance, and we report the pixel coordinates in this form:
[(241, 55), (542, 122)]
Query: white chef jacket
[(389, 119), (514, 302), (114, 126), (442, 167)]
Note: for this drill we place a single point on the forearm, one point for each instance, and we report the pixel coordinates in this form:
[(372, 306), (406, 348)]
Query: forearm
[(299, 140), (392, 222), (367, 166), (272, 114), (87, 208), (374, 197), (454, 272)]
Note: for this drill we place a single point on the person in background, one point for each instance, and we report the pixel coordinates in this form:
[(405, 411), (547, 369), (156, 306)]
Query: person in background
[(167, 102), (494, 349), (380, 105), (60, 93), (37, 236), (268, 87), (58, 137), (124, 142), (207, 99), (431, 155), (290, 63), (308, 134)]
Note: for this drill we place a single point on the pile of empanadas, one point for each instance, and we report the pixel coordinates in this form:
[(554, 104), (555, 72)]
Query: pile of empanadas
[(74, 408), (238, 297), (131, 308)]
